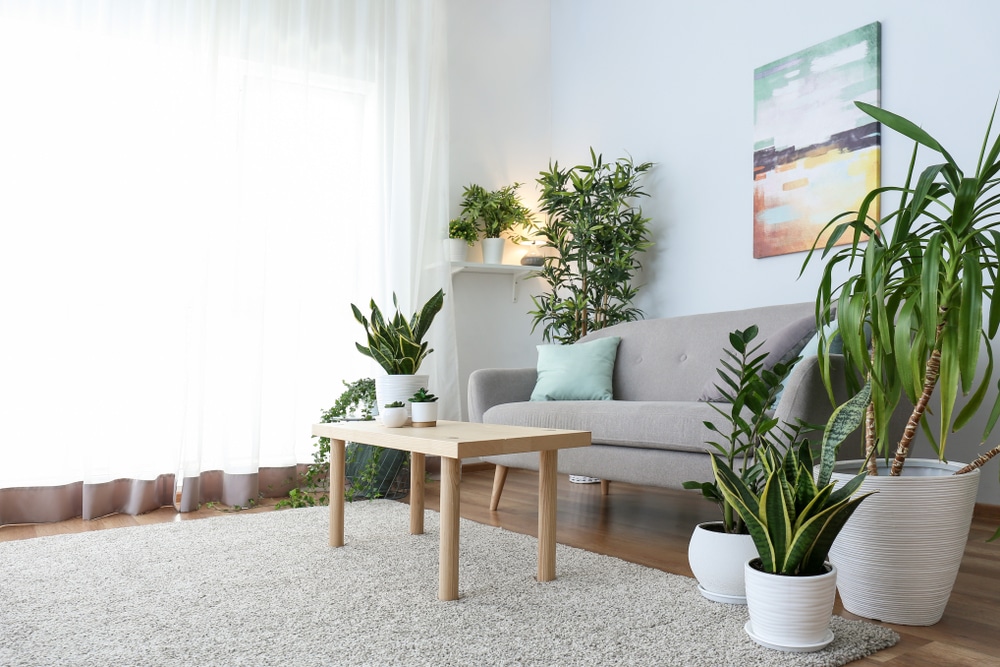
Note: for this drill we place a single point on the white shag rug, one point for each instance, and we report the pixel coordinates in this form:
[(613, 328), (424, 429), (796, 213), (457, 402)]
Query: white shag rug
[(266, 589)]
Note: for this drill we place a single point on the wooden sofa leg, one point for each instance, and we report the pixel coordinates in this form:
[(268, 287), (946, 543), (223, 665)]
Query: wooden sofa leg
[(605, 484), (499, 479)]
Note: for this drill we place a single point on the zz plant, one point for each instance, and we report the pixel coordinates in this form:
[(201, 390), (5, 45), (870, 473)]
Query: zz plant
[(793, 518), (749, 390), (597, 231)]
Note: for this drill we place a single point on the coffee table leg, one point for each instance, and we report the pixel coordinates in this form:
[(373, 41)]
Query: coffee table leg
[(548, 462), (337, 493), (448, 560), (417, 468)]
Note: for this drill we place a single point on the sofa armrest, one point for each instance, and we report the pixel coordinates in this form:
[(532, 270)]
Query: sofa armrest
[(493, 386), (805, 397)]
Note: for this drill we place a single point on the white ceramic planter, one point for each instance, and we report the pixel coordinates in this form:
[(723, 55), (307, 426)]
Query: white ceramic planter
[(493, 250), (424, 414), (900, 551), (790, 613), (394, 417), (458, 250), (717, 560), (391, 388)]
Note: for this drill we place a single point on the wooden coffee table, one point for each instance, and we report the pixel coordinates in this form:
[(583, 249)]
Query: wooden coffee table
[(453, 441)]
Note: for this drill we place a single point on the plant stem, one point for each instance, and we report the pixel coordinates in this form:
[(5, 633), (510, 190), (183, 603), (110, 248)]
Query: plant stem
[(931, 374), (870, 440), (979, 462)]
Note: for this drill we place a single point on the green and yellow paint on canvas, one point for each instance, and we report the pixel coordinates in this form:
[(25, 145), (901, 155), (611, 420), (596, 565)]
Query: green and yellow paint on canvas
[(815, 153)]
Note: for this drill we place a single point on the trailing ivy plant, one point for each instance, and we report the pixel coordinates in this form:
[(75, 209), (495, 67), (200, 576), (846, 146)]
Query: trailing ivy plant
[(597, 231), (314, 484)]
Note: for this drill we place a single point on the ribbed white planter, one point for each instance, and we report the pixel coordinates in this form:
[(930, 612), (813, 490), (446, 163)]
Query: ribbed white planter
[(717, 560), (493, 250), (790, 613), (389, 388), (899, 553)]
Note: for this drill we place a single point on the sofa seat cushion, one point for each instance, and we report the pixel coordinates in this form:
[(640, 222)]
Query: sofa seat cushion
[(669, 425)]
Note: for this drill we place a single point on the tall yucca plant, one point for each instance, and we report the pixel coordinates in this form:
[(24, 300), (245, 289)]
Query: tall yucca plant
[(398, 344), (921, 290), (794, 519)]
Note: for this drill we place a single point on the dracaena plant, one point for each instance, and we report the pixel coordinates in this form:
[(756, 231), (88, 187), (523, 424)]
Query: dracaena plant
[(795, 518), (596, 232), (398, 344), (749, 390), (921, 283)]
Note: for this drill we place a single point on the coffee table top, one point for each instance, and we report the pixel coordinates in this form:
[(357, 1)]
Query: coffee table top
[(456, 440)]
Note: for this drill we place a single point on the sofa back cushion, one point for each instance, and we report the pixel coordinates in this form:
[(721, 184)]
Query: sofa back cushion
[(672, 358)]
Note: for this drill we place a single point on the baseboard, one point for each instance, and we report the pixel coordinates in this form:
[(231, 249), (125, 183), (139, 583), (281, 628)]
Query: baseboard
[(985, 511)]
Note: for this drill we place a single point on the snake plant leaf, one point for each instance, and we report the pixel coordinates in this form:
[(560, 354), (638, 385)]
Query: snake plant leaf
[(844, 421), (812, 543), (736, 493), (776, 512), (393, 343)]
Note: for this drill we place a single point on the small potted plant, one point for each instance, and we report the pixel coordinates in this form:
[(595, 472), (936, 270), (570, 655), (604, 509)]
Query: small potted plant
[(394, 414), (397, 344), (718, 550), (423, 408), (499, 212), (794, 519), (462, 235)]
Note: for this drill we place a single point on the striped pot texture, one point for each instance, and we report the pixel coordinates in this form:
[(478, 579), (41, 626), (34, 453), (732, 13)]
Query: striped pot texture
[(899, 553), (790, 613), (391, 388)]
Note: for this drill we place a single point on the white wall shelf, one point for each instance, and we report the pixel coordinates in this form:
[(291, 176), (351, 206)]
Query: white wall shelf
[(516, 272)]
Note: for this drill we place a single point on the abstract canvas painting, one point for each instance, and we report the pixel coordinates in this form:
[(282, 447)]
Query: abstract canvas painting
[(815, 153)]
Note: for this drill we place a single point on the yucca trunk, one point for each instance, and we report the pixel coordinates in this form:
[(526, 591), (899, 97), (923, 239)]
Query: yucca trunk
[(931, 374)]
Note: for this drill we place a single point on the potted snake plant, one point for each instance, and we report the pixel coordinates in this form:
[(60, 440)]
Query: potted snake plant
[(398, 345), (794, 519), (910, 314)]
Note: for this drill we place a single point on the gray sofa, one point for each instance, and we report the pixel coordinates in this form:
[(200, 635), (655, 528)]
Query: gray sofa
[(653, 432)]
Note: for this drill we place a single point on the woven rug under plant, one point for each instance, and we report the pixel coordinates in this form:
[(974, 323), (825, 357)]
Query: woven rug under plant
[(266, 589)]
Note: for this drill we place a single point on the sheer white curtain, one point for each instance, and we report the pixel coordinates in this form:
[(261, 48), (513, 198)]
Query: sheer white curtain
[(194, 191)]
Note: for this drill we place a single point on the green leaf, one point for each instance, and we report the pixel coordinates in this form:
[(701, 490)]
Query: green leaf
[(845, 420), (970, 319), (904, 127), (948, 384)]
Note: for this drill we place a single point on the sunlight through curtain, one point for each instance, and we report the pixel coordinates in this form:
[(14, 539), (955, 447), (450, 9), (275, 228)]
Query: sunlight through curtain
[(193, 194)]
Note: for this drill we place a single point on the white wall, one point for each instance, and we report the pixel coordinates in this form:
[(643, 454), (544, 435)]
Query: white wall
[(672, 82), (500, 110)]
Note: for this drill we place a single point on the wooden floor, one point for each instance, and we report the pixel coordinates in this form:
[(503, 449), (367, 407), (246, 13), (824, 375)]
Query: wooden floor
[(652, 527)]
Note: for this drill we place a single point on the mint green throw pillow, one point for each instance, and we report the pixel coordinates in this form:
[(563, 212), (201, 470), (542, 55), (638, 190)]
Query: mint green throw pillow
[(577, 372)]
